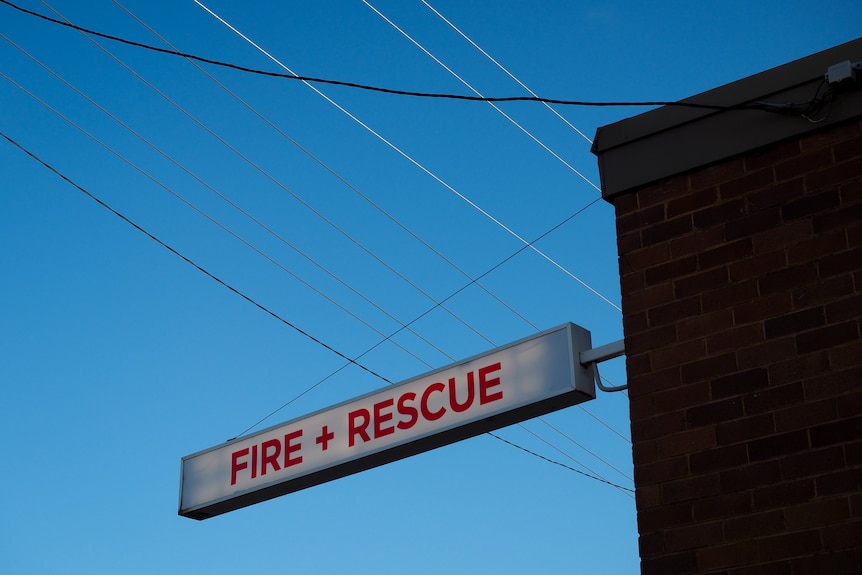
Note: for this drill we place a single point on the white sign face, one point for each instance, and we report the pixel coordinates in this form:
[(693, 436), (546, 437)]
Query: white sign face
[(512, 383)]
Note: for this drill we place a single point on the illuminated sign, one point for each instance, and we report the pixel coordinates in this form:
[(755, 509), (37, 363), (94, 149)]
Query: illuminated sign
[(512, 383)]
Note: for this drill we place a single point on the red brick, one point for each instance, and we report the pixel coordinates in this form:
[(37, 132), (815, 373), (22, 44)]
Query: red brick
[(709, 368), (662, 471), (847, 536), (846, 262), (670, 270), (728, 296), (847, 562), (691, 202), (651, 544), (653, 382), (802, 164), (753, 225), (772, 155), (624, 204), (849, 307), (830, 136), (816, 247), (789, 545), (813, 462), (810, 205), (750, 476), (644, 452), (719, 214), (658, 426), (745, 429), (681, 398), (723, 255), (834, 175), (678, 354), (647, 497), (781, 280), (701, 283), (693, 536), (845, 481), (776, 568), (690, 489), (770, 400), (783, 444), (825, 291), (844, 218), (794, 322), (674, 311), (678, 563), (784, 494), (628, 242), (701, 325), (724, 556), (848, 150), (767, 353), (817, 513), (715, 412), (773, 305), (776, 195), (836, 432), (696, 243), (740, 337), (643, 258), (799, 368), (827, 337), (833, 384), (719, 458), (660, 518), (805, 415), (664, 191), (633, 323), (750, 182), (666, 230), (690, 441), (649, 297), (754, 526), (723, 505), (640, 219), (717, 173), (759, 265)]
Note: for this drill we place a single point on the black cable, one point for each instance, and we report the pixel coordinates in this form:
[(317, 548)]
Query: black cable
[(190, 262), (311, 79), (563, 465)]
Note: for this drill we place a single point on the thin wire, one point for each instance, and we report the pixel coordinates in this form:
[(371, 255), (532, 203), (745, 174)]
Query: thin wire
[(227, 200), (182, 198), (475, 91), (338, 176), (327, 221), (504, 69), (417, 164), (192, 263), (563, 465), (571, 439), (311, 79)]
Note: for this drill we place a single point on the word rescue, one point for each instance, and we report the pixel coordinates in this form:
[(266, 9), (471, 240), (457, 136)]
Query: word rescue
[(386, 417)]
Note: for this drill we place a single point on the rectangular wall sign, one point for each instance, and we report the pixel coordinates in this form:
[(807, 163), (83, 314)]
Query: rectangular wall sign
[(512, 383)]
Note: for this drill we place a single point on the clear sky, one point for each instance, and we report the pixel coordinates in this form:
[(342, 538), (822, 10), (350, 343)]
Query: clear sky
[(117, 357)]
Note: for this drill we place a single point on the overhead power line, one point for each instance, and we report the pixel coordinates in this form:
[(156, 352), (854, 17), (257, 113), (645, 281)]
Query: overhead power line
[(257, 304), (315, 80), (191, 262)]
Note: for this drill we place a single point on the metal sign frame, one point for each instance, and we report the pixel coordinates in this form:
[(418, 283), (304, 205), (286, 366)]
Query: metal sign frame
[(512, 383)]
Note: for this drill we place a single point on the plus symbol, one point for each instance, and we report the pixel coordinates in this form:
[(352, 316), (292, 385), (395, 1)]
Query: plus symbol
[(325, 437)]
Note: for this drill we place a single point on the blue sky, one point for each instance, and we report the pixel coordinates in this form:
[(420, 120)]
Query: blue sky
[(117, 357)]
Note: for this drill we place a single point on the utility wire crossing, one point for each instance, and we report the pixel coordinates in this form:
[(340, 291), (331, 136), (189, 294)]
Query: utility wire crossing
[(315, 80)]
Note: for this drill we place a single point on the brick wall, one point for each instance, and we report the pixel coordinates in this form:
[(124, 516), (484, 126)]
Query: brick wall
[(742, 310)]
